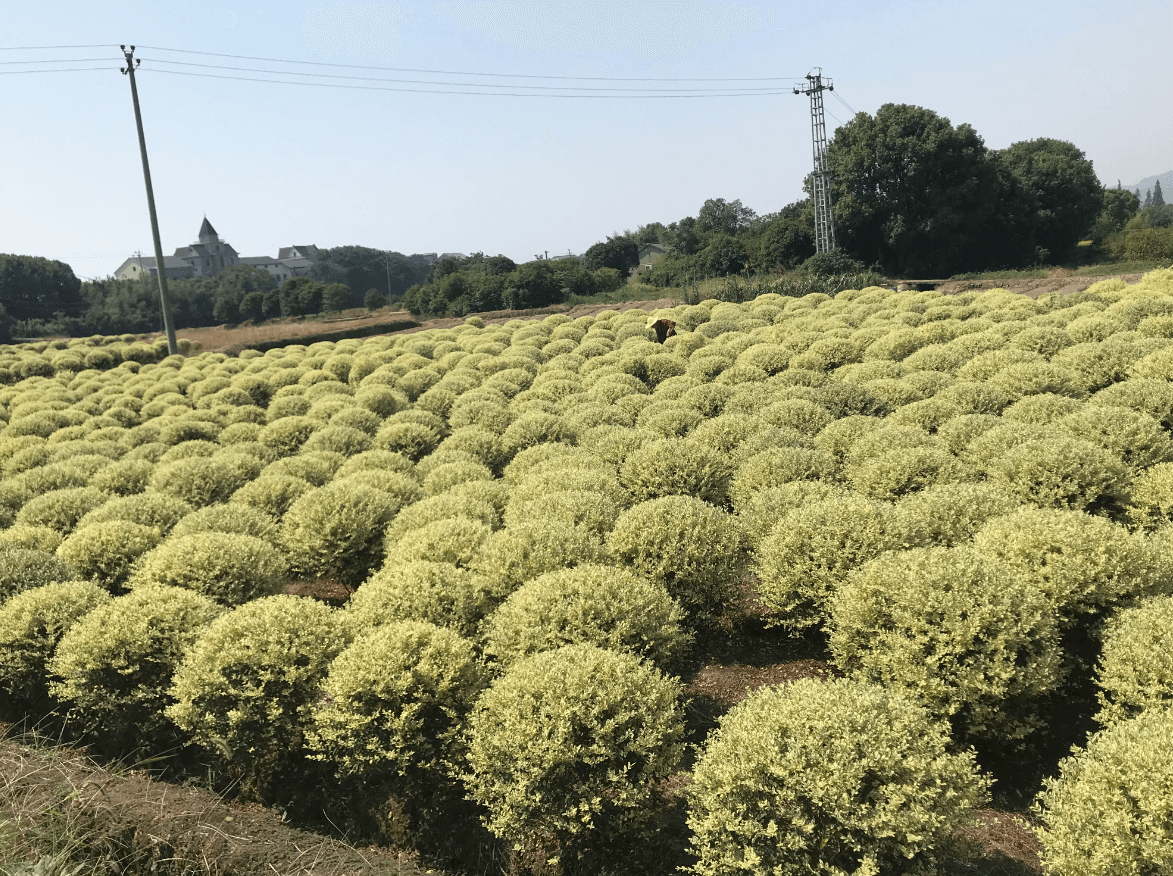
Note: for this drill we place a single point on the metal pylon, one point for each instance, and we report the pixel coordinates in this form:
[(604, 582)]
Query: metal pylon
[(824, 226)]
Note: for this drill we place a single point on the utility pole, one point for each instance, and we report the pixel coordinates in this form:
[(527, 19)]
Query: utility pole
[(824, 226), (172, 345), (387, 257)]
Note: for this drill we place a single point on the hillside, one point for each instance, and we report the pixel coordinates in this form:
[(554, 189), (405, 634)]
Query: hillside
[(1145, 184)]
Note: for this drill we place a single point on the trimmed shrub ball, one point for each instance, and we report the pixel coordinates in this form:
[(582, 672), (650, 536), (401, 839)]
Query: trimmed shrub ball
[(272, 494), (395, 704), (31, 625), (22, 569), (570, 743), (1135, 672), (115, 665), (839, 777), (246, 687), (420, 590), (809, 553), (61, 509), (1106, 812), (105, 552), (589, 604), (455, 540), (956, 631), (676, 467), (227, 567), (1082, 563), (510, 557), (948, 514), (233, 518), (593, 511), (441, 507), (1150, 502), (198, 481), (336, 531), (148, 509), (688, 545), (1062, 473)]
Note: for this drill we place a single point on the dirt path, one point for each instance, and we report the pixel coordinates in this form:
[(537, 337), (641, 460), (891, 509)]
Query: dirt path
[(1064, 285)]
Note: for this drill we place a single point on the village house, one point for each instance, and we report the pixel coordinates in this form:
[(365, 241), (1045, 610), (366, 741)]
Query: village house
[(649, 254), (209, 255)]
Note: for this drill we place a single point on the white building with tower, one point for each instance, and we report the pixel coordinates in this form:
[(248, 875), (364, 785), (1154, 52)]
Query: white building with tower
[(209, 255)]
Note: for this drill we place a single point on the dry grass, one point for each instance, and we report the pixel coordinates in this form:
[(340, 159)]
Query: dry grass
[(71, 816), (220, 337)]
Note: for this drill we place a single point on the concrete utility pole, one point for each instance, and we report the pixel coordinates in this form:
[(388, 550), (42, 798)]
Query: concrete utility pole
[(824, 226), (168, 322)]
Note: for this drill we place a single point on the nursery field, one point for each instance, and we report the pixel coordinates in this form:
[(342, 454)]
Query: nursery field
[(879, 583)]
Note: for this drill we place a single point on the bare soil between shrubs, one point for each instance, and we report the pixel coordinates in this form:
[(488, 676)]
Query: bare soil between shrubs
[(153, 826)]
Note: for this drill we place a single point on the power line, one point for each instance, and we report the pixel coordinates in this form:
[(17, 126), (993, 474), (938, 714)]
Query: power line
[(470, 73), (460, 84), (44, 48), (63, 70), (56, 61), (842, 101), (473, 93)]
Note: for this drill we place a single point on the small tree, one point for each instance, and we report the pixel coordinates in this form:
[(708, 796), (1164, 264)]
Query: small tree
[(1158, 197), (336, 296), (374, 299)]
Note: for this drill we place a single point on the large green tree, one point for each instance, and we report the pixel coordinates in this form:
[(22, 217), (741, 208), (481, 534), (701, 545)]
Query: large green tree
[(684, 237), (911, 191), (232, 285), (1120, 205), (617, 251), (361, 267), (1063, 185), (36, 288), (653, 232), (724, 255), (718, 216), (788, 241), (299, 296)]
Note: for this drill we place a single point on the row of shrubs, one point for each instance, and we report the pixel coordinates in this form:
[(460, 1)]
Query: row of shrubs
[(97, 353), (565, 747), (985, 478)]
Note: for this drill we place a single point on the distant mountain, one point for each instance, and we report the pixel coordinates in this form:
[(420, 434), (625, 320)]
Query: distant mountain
[(1145, 184)]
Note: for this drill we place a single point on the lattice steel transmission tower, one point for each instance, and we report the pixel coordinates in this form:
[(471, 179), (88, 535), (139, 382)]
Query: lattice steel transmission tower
[(824, 226)]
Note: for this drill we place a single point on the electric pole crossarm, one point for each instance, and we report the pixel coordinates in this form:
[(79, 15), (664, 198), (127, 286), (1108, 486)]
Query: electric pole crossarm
[(160, 269)]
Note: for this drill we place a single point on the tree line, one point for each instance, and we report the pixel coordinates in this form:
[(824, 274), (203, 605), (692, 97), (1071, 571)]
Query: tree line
[(914, 196), (459, 285), (40, 297)]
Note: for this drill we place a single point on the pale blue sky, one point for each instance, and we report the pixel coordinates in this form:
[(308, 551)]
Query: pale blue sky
[(273, 165)]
